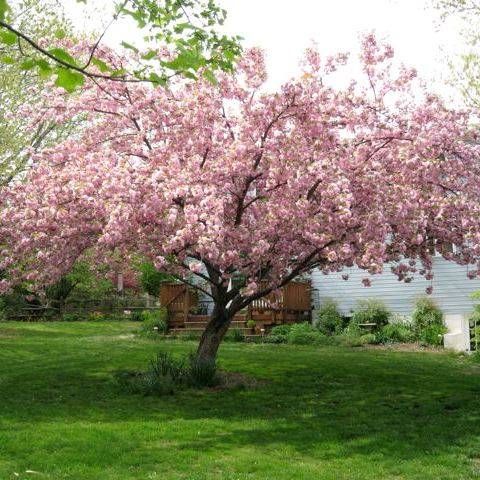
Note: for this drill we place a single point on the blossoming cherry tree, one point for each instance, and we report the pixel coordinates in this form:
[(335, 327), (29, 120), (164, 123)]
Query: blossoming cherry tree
[(220, 180)]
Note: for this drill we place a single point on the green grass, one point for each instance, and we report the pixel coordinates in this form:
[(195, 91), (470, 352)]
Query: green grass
[(325, 413)]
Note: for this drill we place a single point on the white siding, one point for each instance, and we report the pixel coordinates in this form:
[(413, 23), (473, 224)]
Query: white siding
[(451, 288)]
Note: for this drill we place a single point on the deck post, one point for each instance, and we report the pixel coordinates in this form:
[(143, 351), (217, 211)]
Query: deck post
[(186, 305)]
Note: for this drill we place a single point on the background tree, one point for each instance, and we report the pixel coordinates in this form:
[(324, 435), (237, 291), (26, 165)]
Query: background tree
[(465, 69), (178, 37), (19, 86), (82, 282), (151, 279), (231, 181)]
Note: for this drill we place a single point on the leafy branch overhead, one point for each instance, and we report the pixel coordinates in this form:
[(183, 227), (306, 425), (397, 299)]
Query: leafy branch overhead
[(187, 28)]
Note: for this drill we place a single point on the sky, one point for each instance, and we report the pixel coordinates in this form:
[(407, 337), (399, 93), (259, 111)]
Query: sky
[(285, 28)]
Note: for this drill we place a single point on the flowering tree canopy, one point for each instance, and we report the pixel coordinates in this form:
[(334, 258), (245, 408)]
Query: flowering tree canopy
[(220, 180)]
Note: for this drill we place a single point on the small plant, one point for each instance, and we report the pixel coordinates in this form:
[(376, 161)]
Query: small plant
[(235, 335), (137, 316), (167, 374), (155, 321), (201, 373), (251, 324), (329, 321), (371, 311), (350, 335), (145, 383), (399, 332), (164, 365)]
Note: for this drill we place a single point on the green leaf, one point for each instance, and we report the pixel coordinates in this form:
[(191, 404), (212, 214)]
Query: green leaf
[(4, 8), (60, 33), (149, 55), (28, 64), (44, 68), (8, 38), (208, 74), (7, 60), (190, 75), (63, 55), (101, 65), (68, 79), (186, 60), (137, 15), (179, 28), (129, 46), (157, 79), (119, 73)]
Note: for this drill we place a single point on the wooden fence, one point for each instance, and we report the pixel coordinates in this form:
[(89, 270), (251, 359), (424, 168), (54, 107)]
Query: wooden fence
[(112, 304)]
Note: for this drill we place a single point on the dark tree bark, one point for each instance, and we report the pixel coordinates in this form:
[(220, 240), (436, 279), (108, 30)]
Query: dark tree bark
[(214, 332)]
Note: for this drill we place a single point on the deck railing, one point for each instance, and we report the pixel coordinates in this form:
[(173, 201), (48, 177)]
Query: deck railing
[(291, 301)]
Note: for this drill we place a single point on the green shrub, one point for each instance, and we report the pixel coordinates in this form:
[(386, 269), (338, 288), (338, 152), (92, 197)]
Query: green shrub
[(428, 322), (329, 321), (281, 330), (432, 335), (371, 311), (72, 317), (278, 334), (367, 339), (251, 323), (155, 321), (353, 336), (96, 316), (425, 314), (3, 309), (400, 332), (303, 334), (276, 339)]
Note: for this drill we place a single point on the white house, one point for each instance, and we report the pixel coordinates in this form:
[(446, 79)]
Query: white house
[(451, 291)]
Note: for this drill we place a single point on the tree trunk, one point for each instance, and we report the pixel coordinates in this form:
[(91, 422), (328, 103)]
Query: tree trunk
[(214, 332)]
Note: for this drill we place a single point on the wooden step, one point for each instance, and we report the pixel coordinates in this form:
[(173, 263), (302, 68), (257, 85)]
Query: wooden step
[(234, 324), (201, 329)]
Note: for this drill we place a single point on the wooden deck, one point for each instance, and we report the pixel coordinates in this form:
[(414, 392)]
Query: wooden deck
[(187, 314)]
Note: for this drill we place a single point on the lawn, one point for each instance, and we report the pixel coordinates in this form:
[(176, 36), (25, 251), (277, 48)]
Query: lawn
[(321, 412)]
